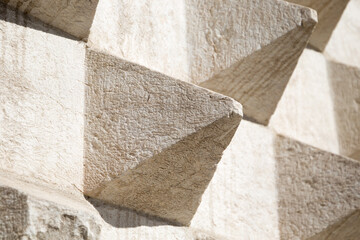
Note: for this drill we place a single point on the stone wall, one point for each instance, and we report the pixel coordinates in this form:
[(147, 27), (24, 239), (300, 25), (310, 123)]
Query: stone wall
[(235, 119)]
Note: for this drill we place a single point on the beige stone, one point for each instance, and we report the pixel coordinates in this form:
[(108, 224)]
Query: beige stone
[(271, 187), (73, 17), (329, 13), (41, 102), (241, 199), (355, 155), (320, 105), (316, 189), (227, 46), (347, 228), (344, 44), (34, 212), (152, 142)]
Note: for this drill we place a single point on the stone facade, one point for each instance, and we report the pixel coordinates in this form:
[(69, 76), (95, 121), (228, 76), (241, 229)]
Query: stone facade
[(235, 119)]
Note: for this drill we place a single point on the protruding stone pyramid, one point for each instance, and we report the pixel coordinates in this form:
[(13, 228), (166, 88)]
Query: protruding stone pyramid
[(329, 13), (244, 49), (321, 105), (134, 117), (152, 142), (92, 119), (274, 183), (271, 187)]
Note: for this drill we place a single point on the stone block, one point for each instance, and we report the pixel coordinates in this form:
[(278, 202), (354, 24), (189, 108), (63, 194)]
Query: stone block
[(275, 184), (320, 105), (271, 187), (152, 142), (244, 49), (41, 102), (329, 14), (72, 17)]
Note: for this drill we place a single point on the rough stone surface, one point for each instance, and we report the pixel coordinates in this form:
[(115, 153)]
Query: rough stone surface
[(321, 105), (152, 142), (34, 212), (41, 102), (276, 183), (344, 44), (329, 13), (73, 17), (158, 152), (347, 228), (315, 188), (195, 46)]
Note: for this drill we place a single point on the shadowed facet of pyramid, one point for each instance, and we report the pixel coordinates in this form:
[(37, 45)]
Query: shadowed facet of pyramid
[(73, 17), (347, 228), (133, 116), (244, 49), (39, 212), (329, 13), (302, 190), (321, 105), (152, 142), (316, 189), (251, 46)]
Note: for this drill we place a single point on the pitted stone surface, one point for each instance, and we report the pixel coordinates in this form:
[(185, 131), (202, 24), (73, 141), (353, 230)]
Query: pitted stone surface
[(316, 189), (34, 213), (152, 142), (211, 40)]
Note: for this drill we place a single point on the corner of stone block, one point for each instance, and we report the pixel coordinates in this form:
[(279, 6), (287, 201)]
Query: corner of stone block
[(237, 108), (309, 17)]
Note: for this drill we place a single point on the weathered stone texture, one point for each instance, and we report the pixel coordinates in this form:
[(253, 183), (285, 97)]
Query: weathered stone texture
[(34, 212), (196, 46), (320, 105), (347, 228), (153, 152), (73, 17), (13, 216), (329, 13), (152, 142), (41, 102), (315, 188)]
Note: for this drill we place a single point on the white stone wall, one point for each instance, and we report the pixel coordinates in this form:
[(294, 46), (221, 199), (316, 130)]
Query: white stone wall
[(104, 134)]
